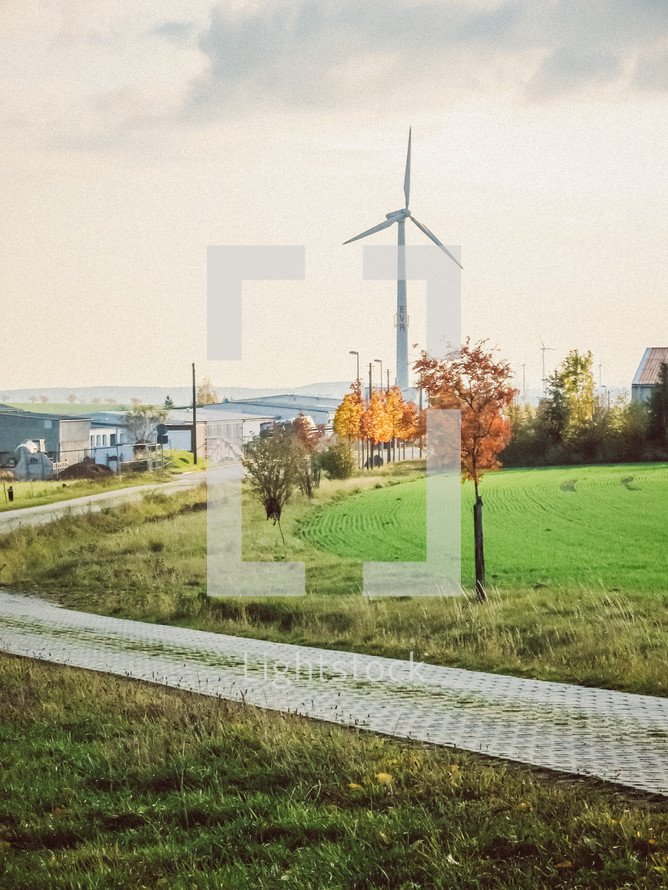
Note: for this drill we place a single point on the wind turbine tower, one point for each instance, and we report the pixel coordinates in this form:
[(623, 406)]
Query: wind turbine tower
[(399, 217)]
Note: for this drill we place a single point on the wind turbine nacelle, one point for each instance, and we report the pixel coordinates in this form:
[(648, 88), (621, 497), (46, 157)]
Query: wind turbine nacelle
[(398, 214)]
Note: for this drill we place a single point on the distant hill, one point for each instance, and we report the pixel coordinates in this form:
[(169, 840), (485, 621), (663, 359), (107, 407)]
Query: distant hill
[(335, 390), (58, 398), (154, 395)]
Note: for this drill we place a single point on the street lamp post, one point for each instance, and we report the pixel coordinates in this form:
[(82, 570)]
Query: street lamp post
[(379, 361), (370, 448), (359, 453), (352, 352)]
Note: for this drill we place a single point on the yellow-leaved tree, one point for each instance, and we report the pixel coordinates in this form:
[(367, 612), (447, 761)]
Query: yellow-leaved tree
[(348, 417), (376, 423)]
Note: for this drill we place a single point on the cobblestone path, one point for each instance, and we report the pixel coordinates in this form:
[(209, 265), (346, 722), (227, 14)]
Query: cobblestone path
[(615, 736)]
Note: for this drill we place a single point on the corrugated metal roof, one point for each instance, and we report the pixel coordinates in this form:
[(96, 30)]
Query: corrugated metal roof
[(214, 413), (291, 400), (648, 370), (42, 415)]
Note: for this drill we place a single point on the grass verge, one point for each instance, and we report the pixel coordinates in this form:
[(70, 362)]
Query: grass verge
[(36, 493), (114, 783)]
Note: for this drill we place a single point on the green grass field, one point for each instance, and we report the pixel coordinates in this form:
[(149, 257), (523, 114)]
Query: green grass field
[(601, 526)]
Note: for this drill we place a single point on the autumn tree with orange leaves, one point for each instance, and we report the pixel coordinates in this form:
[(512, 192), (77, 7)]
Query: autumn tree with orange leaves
[(376, 424), (383, 418), (394, 408), (348, 417), (474, 382), (407, 429)]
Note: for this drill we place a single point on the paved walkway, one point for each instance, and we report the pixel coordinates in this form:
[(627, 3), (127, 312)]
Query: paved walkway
[(612, 735)]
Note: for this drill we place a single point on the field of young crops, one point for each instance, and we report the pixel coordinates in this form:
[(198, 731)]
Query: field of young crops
[(603, 525)]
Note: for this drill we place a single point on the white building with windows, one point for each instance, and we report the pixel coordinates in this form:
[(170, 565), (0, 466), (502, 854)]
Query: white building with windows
[(110, 442)]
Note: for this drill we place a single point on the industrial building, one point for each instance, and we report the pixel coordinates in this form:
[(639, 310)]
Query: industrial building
[(37, 445), (221, 429), (647, 374), (63, 439), (289, 406)]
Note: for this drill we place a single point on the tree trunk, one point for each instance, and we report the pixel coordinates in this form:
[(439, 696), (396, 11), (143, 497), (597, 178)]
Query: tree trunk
[(479, 551)]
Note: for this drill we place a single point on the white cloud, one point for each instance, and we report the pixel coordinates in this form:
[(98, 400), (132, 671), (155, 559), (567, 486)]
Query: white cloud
[(294, 51), (75, 75)]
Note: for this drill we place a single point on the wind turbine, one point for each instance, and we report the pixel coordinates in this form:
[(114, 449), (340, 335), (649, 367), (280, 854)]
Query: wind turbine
[(544, 349), (400, 217)]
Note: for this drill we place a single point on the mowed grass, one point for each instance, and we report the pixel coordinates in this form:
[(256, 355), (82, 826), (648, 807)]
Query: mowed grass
[(601, 526), (147, 561), (111, 783)]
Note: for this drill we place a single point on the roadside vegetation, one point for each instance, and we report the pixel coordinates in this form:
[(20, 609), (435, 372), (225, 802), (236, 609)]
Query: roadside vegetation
[(574, 425), (108, 782), (147, 560), (36, 493)]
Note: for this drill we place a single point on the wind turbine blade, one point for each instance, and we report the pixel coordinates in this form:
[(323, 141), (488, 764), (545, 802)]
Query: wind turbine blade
[(436, 241), (407, 175), (383, 225)]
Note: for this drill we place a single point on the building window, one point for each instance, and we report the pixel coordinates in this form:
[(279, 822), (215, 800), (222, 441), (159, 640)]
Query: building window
[(112, 438), (104, 439)]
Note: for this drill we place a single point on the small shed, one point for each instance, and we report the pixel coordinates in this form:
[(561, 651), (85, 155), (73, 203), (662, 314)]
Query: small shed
[(647, 374)]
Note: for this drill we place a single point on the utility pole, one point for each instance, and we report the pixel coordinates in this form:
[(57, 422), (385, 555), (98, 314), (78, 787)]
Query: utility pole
[(193, 439)]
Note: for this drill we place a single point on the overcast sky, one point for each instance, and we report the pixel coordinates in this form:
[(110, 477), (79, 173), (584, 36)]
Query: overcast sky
[(134, 135)]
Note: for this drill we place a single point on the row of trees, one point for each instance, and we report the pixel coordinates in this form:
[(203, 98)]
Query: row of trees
[(383, 418), (574, 425)]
